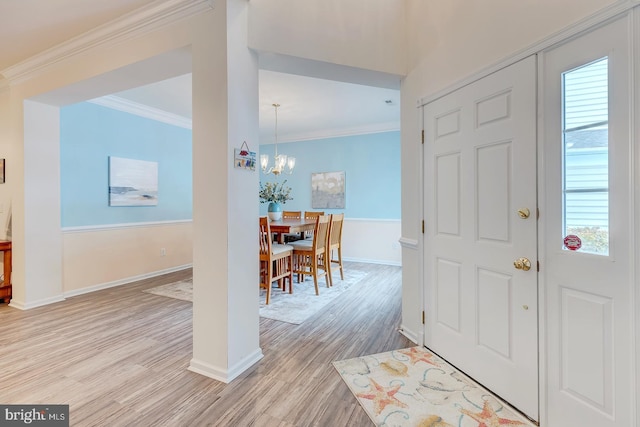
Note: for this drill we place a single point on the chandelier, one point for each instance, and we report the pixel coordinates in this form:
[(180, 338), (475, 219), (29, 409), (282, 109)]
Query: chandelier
[(280, 161)]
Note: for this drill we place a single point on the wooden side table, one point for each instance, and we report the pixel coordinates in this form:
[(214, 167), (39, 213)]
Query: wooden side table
[(5, 285)]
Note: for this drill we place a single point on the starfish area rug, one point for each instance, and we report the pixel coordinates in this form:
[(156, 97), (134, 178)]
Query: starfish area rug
[(292, 308), (414, 387)]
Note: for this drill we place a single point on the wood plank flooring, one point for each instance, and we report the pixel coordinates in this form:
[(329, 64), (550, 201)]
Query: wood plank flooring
[(119, 357)]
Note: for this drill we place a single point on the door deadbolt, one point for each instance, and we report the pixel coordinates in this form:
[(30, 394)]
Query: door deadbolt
[(524, 213), (522, 264)]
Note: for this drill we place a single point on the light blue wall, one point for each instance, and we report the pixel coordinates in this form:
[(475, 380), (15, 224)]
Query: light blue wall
[(372, 173), (89, 134)]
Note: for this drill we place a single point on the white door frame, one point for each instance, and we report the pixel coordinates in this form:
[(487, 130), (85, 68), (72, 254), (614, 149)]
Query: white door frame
[(586, 25)]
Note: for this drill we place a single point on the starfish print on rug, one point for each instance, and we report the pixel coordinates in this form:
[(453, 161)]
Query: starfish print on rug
[(489, 418), (417, 355), (382, 396)]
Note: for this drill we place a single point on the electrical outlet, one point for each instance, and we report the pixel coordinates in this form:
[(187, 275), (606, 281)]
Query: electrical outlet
[(163, 251)]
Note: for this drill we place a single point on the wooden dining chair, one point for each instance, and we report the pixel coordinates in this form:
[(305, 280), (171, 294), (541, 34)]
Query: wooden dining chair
[(334, 243), (276, 261), (310, 256), (311, 215), (290, 237)]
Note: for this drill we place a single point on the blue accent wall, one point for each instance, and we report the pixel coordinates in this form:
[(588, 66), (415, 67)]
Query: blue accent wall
[(372, 173), (89, 134)]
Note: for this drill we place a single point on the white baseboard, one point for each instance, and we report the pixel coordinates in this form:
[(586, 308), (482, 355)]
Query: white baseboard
[(45, 301), (409, 334), (373, 261), (245, 364), (124, 281), (225, 375)]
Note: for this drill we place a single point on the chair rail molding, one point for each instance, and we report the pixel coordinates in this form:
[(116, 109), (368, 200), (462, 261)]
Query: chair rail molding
[(408, 243), (133, 24), (103, 227)]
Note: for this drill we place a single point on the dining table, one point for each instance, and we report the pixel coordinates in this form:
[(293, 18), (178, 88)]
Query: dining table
[(289, 226)]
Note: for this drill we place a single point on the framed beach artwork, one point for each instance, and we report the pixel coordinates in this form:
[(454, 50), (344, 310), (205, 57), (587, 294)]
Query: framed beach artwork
[(132, 182), (328, 190)]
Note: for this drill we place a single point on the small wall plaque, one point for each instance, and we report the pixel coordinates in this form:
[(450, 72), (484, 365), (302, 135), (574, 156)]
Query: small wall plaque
[(243, 158)]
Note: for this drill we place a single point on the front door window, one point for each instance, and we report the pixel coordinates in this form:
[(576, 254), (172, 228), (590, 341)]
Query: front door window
[(586, 157)]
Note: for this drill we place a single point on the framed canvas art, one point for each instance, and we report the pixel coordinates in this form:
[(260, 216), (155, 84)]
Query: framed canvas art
[(328, 190), (132, 182)]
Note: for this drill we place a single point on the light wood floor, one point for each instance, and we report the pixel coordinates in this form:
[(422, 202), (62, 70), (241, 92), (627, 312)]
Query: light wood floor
[(119, 357)]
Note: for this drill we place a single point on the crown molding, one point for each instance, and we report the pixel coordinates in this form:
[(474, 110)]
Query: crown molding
[(338, 132), (133, 24), (131, 107)]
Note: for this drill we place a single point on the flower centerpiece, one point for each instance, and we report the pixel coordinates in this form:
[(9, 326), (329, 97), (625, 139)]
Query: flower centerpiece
[(276, 194)]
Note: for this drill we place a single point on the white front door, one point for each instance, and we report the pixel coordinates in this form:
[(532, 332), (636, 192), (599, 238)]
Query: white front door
[(587, 193), (480, 217)]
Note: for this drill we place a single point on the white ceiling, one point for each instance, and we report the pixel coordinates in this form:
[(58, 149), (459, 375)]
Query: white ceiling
[(311, 107)]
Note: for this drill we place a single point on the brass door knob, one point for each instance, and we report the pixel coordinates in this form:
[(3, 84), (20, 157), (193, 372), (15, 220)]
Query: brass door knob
[(522, 264), (524, 213)]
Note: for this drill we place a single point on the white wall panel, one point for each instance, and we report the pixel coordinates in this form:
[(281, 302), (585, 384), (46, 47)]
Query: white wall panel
[(447, 124), (100, 257), (448, 194), (493, 108), (587, 350), (448, 287), (94, 258), (494, 311), (493, 178), (371, 240)]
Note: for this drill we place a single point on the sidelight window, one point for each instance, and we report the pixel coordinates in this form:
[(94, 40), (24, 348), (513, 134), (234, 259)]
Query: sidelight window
[(585, 109)]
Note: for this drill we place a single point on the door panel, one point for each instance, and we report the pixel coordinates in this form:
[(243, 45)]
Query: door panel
[(588, 292), (480, 169), (492, 180)]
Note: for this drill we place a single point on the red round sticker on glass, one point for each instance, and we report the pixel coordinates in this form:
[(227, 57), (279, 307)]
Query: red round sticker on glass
[(572, 242)]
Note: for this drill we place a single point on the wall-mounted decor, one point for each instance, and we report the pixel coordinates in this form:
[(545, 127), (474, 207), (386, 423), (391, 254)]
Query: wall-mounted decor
[(132, 182), (328, 190), (243, 158), (1, 171)]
